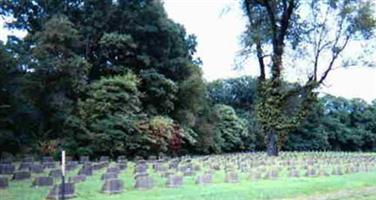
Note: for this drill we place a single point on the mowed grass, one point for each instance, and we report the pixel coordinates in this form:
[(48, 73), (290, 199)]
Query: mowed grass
[(283, 187)]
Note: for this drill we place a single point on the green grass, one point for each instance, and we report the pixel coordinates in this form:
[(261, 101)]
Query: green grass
[(245, 190)]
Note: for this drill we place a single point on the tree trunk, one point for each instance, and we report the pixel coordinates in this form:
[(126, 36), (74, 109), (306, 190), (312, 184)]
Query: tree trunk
[(271, 143)]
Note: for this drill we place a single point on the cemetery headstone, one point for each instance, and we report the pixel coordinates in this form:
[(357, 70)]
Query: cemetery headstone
[(77, 179), (56, 192), (21, 175), (144, 182), (43, 181), (113, 186), (107, 176), (7, 169), (174, 181), (204, 179)]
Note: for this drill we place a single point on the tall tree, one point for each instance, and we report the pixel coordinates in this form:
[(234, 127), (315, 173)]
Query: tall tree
[(279, 31)]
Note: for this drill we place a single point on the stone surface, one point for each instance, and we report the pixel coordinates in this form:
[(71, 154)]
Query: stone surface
[(144, 182), (55, 173), (36, 168), (113, 186), (86, 170), (7, 169), (107, 176), (56, 192), (231, 177), (43, 181), (174, 181), (84, 159), (49, 165), (25, 166), (77, 179), (204, 179), (115, 170), (104, 159), (21, 175)]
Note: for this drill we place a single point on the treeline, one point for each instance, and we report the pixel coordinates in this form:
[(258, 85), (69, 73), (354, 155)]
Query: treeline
[(105, 77)]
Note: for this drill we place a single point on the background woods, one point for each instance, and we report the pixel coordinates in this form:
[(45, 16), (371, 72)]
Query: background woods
[(103, 77)]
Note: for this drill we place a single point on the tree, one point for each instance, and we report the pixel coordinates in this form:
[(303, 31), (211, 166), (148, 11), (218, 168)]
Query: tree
[(57, 75), (307, 30)]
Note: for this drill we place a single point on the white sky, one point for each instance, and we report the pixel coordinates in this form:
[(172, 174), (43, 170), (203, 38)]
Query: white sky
[(218, 25)]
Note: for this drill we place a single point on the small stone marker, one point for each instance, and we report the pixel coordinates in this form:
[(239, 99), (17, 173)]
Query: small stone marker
[(104, 159), (7, 169), (25, 166), (21, 175), (4, 183), (43, 181), (107, 176), (55, 173), (115, 170), (113, 186), (36, 168), (49, 165), (204, 179), (77, 179), (144, 182), (231, 177), (84, 159), (56, 192), (174, 181), (86, 170)]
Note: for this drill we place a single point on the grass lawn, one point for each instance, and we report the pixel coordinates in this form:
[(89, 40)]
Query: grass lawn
[(245, 190)]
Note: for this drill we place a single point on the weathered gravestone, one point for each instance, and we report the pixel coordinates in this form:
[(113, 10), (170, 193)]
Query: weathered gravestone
[(56, 192), (71, 165), (77, 179), (7, 160), (122, 166), (115, 170), (43, 181), (122, 159), (113, 186), (107, 176), (55, 173), (36, 168), (48, 162), (231, 177), (49, 165), (204, 179), (144, 182), (174, 181), (98, 166), (21, 175), (28, 159), (25, 166), (84, 159), (86, 170), (4, 183), (104, 159), (7, 169), (47, 159), (140, 168)]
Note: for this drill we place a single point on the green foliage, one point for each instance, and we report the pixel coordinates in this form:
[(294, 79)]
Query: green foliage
[(221, 130), (160, 92)]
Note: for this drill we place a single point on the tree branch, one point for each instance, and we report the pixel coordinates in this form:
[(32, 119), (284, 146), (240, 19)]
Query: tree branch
[(260, 57)]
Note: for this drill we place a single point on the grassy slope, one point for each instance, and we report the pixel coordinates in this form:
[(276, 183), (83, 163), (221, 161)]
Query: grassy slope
[(263, 189)]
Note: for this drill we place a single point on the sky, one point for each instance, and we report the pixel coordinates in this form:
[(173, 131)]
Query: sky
[(218, 25)]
